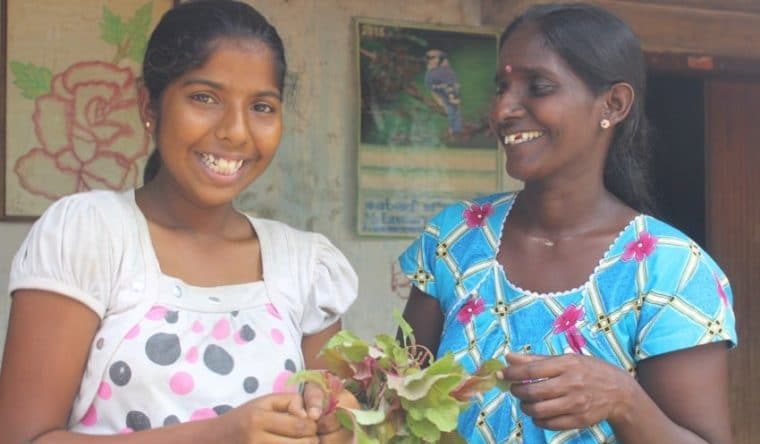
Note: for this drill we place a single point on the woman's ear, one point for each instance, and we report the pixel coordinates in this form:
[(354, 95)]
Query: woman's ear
[(618, 102), (145, 107)]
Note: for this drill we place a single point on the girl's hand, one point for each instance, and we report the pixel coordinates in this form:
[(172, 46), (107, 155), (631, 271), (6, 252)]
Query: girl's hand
[(569, 391), (328, 427), (275, 418)]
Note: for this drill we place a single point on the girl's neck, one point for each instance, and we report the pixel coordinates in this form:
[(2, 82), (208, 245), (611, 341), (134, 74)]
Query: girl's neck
[(164, 206)]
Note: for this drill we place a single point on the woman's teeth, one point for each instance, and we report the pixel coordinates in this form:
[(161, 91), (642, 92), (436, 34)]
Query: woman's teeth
[(517, 138), (221, 166)]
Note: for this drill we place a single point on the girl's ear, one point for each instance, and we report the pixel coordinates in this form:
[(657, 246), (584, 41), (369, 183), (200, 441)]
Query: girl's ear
[(618, 102), (145, 107)]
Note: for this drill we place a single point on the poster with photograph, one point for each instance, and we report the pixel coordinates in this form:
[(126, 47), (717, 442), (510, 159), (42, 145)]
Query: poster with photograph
[(424, 139)]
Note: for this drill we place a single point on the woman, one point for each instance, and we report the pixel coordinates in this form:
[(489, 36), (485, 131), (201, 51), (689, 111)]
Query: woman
[(615, 326)]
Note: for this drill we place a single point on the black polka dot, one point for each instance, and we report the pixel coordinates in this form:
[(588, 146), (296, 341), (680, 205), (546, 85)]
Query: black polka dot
[(171, 419), (120, 373), (290, 365), (163, 348), (250, 384), (222, 409), (247, 334), (218, 360), (234, 313), (138, 421), (171, 317)]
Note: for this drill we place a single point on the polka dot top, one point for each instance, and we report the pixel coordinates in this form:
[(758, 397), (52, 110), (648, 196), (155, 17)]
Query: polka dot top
[(167, 351)]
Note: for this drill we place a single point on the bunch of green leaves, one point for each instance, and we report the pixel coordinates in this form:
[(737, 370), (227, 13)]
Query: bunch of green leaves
[(405, 395)]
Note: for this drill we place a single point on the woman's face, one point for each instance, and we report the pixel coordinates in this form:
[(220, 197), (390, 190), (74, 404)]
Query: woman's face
[(221, 123), (546, 118)]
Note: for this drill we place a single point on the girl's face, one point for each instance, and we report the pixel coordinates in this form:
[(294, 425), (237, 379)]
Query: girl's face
[(546, 118), (221, 123)]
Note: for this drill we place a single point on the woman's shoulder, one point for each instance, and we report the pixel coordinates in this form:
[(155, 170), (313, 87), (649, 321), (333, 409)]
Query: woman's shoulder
[(109, 203)]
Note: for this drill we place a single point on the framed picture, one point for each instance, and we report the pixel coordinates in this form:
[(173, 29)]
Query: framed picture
[(424, 139), (69, 99)]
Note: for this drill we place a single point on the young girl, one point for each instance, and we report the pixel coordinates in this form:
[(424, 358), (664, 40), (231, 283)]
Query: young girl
[(162, 314), (615, 325)]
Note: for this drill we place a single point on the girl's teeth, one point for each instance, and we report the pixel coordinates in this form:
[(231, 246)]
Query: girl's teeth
[(220, 165)]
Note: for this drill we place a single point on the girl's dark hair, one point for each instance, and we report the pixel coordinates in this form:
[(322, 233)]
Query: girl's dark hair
[(602, 50), (185, 38)]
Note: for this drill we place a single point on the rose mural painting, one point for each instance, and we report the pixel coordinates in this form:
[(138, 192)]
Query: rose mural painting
[(71, 115)]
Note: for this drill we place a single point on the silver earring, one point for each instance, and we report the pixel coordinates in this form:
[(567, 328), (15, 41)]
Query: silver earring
[(605, 123)]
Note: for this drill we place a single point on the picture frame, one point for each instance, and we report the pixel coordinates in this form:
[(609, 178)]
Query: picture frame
[(423, 140), (69, 99)]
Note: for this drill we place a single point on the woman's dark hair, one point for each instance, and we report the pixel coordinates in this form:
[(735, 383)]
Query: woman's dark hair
[(185, 38), (602, 50)]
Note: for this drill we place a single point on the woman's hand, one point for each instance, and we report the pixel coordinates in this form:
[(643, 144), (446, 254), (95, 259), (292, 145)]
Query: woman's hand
[(329, 429), (569, 391)]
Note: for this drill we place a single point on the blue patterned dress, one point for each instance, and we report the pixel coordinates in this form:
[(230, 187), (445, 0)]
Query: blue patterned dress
[(653, 292)]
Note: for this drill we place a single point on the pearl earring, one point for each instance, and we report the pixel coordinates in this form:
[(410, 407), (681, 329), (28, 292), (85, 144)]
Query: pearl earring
[(147, 125), (605, 123)]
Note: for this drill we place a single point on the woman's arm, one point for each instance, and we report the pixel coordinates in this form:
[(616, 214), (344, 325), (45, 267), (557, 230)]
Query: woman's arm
[(48, 342), (423, 313), (679, 397)]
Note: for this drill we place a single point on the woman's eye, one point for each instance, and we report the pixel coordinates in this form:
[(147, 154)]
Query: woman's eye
[(541, 88), (203, 98)]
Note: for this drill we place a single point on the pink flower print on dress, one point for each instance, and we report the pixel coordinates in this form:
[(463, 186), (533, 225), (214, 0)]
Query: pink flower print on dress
[(721, 292), (641, 248), (471, 308), (475, 215), (566, 323), (156, 313)]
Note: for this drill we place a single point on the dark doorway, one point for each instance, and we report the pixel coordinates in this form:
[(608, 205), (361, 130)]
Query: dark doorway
[(675, 106)]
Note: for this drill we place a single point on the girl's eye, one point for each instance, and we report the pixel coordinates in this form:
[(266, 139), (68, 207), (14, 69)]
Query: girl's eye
[(263, 108), (203, 98)]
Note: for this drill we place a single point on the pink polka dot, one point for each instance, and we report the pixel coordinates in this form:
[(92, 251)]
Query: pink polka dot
[(126, 430), (104, 391), (192, 355), (197, 327), (273, 311), (91, 417), (156, 312), (133, 332), (182, 383), (239, 340), (221, 329), (281, 383), (277, 336), (202, 414)]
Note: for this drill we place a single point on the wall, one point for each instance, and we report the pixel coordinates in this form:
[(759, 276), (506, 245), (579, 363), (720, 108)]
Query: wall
[(312, 182)]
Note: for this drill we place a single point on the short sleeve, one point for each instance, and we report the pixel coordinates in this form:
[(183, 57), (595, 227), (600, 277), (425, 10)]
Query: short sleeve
[(687, 305), (67, 251), (418, 260), (333, 287)]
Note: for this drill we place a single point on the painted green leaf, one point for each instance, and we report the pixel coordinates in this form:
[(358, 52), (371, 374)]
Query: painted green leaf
[(137, 31), (32, 80), (111, 27)]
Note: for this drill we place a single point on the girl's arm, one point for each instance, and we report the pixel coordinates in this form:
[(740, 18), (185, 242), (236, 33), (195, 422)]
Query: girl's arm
[(48, 342)]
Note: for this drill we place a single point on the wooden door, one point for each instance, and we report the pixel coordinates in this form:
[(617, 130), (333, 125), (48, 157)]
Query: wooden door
[(732, 123)]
